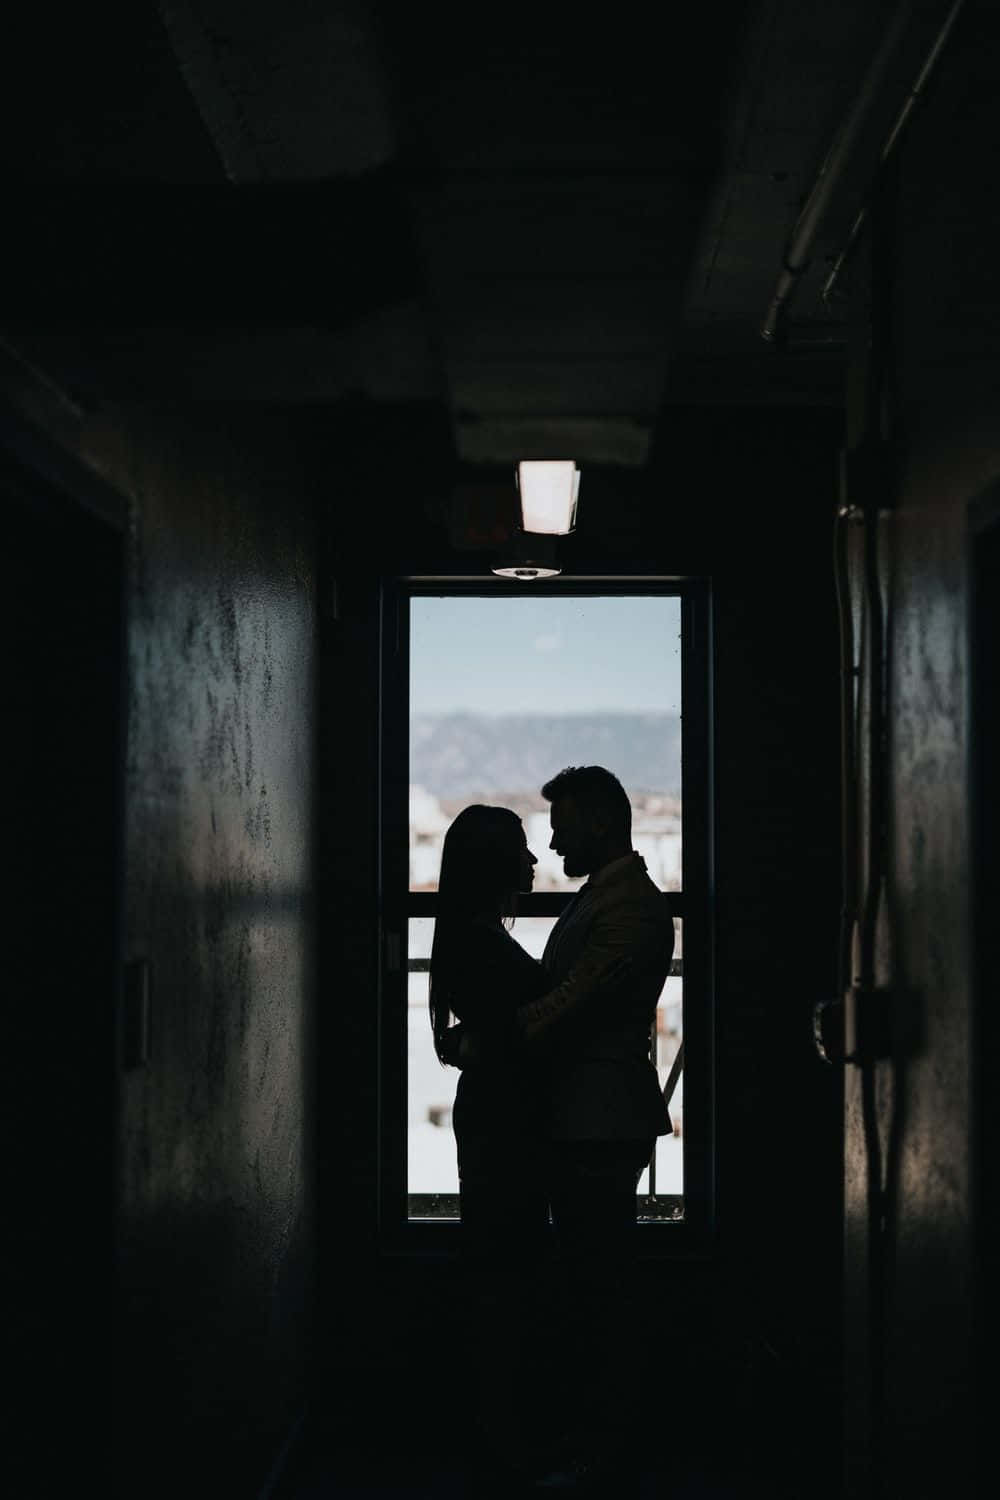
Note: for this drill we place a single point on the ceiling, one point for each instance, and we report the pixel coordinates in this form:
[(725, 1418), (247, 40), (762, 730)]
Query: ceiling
[(549, 222)]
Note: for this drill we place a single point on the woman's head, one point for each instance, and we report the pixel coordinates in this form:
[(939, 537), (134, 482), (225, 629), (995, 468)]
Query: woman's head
[(485, 861)]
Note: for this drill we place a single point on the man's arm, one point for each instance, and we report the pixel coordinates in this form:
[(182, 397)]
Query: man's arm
[(587, 983), (463, 1045), (622, 947)]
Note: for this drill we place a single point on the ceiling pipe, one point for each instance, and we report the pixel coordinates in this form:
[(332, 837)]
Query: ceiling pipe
[(799, 247), (898, 127)]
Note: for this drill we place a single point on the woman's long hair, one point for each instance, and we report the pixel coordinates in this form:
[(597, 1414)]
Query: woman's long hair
[(480, 873)]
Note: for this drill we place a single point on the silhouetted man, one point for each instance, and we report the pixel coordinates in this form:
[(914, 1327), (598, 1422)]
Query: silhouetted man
[(605, 1105)]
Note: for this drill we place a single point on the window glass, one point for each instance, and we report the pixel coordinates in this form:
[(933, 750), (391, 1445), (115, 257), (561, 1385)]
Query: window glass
[(430, 1143), (669, 1174), (504, 692)]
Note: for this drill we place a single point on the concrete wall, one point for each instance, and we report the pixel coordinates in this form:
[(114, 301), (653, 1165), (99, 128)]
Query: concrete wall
[(214, 1171), (911, 1389), (761, 1330)]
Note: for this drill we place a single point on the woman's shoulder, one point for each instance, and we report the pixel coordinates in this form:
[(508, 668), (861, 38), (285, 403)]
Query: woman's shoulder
[(480, 942), (502, 944), (521, 954), (492, 959)]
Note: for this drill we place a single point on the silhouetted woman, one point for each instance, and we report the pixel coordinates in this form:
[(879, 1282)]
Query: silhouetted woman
[(479, 975)]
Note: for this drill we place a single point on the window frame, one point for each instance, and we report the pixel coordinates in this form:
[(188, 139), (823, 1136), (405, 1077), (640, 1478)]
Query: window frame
[(397, 1232)]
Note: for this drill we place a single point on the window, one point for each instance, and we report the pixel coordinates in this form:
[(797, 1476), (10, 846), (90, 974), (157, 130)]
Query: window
[(487, 693)]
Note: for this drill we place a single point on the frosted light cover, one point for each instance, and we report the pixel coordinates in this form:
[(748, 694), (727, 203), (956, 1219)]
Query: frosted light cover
[(549, 489)]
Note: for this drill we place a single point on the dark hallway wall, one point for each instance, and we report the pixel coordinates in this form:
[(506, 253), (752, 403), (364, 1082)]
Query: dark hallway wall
[(914, 1309), (747, 497), (61, 625), (216, 1206), (180, 838)]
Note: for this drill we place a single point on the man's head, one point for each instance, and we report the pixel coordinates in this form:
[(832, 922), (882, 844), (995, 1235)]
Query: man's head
[(591, 818)]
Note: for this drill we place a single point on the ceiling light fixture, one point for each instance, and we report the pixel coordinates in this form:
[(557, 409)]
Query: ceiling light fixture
[(548, 490)]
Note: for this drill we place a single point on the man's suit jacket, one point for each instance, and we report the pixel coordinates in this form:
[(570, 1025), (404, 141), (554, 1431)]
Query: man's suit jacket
[(596, 1031)]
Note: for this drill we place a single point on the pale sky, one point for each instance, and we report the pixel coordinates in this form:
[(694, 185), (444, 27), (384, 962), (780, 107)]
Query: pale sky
[(551, 654)]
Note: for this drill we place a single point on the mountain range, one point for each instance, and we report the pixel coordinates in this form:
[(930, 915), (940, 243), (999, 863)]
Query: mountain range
[(470, 755)]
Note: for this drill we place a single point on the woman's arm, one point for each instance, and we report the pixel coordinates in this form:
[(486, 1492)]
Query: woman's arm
[(497, 974), (456, 1046)]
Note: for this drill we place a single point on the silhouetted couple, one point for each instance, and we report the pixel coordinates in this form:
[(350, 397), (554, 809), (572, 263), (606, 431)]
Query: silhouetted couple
[(556, 1115)]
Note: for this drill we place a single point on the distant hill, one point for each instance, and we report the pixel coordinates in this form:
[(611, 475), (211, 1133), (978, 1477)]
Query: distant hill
[(470, 755)]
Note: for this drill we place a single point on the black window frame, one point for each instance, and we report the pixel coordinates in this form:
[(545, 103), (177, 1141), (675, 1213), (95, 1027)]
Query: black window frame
[(397, 1232)]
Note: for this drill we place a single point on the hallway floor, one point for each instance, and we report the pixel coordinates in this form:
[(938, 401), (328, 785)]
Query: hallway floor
[(329, 1481), (382, 1435), (391, 1475)]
